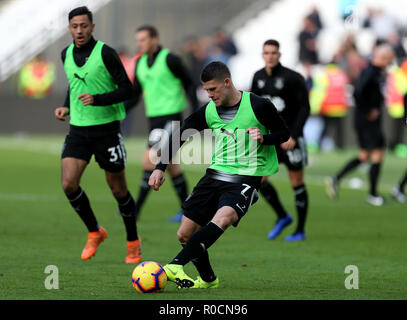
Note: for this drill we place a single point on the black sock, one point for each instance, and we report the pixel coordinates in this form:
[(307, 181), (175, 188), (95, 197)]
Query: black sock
[(301, 203), (403, 182), (80, 202), (144, 190), (180, 186), (270, 194), (203, 266), (198, 243), (374, 177), (127, 209), (352, 164)]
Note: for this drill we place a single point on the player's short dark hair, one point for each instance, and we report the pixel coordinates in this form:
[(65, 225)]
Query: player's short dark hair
[(80, 11), (272, 42), (152, 31), (215, 70)]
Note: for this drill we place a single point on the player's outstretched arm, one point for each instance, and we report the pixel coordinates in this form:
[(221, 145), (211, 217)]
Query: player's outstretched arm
[(61, 113), (157, 179)]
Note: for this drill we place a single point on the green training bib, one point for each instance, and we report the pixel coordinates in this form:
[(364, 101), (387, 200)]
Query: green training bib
[(235, 152), (163, 92), (93, 78)]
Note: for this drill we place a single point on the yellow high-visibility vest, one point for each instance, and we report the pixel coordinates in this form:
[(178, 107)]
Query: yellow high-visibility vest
[(36, 79)]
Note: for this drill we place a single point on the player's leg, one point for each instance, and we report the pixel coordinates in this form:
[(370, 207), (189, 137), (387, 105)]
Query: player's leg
[(144, 189), (199, 209), (203, 239), (284, 219), (110, 154), (127, 209), (301, 203), (269, 193), (201, 263), (174, 270), (397, 192), (180, 186), (339, 132), (376, 158), (332, 182), (72, 170)]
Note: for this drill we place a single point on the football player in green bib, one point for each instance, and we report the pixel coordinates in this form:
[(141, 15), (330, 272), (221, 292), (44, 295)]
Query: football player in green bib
[(247, 128), (164, 82), (98, 85)]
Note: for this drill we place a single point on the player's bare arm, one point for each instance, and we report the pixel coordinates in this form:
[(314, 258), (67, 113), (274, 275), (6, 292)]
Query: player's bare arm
[(61, 113)]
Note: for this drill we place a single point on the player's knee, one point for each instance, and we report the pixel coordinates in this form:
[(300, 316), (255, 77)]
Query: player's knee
[(225, 220), (183, 237), (363, 156), (69, 186), (119, 194)]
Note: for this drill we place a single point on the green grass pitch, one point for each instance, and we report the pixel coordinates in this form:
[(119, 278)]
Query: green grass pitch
[(39, 228)]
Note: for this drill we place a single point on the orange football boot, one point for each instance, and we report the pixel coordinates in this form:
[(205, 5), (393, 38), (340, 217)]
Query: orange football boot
[(94, 240), (133, 251)]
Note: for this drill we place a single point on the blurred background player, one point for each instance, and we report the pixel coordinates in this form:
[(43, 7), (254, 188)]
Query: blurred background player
[(97, 86), (287, 90), (163, 80), (368, 113), (397, 192), (396, 89), (229, 188)]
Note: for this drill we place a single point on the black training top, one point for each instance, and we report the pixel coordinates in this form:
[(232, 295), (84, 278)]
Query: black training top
[(368, 89), (113, 65), (286, 89), (264, 111), (177, 68)]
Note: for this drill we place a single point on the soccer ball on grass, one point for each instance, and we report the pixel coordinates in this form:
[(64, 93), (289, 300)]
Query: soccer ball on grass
[(149, 277)]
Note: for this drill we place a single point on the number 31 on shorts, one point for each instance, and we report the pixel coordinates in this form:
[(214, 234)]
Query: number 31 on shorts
[(117, 153)]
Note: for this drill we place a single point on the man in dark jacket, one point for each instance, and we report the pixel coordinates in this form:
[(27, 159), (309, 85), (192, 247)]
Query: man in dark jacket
[(369, 102)]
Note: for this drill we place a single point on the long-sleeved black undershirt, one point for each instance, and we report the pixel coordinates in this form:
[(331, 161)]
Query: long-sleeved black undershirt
[(287, 90), (264, 111), (113, 65), (178, 69)]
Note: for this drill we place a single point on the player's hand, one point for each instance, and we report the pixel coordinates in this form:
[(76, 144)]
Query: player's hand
[(86, 98), (61, 112), (373, 115), (255, 134), (156, 180), (289, 144)]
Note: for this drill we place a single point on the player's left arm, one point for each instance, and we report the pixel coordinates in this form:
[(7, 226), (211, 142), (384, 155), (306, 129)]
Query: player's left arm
[(266, 113), (115, 67), (196, 121), (179, 70), (300, 92)]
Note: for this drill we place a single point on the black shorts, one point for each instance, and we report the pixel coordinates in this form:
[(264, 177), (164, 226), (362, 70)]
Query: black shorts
[(104, 141), (209, 195), (160, 124), (370, 135), (295, 159)]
